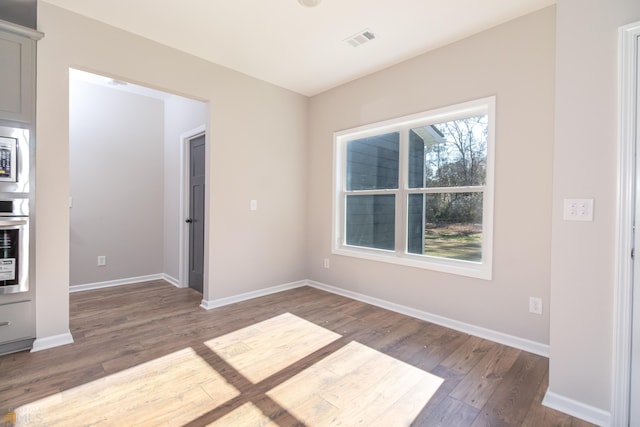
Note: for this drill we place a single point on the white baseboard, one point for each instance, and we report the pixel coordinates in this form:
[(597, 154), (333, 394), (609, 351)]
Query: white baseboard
[(119, 282), (210, 304), (551, 400), (577, 409), (172, 280), (49, 342), (499, 337)]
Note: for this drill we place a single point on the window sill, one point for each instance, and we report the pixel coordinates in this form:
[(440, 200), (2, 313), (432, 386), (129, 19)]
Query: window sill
[(460, 268)]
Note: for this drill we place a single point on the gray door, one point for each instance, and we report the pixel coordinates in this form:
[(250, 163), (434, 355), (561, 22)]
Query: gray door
[(196, 212)]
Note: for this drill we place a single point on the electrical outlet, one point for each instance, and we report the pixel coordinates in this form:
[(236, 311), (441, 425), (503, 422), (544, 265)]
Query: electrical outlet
[(578, 209), (327, 263), (535, 305), (253, 205), (102, 261)]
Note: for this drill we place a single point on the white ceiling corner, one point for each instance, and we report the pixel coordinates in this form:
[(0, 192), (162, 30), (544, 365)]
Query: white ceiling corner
[(302, 48)]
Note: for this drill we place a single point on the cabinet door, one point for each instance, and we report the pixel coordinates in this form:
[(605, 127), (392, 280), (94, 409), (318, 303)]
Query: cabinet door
[(17, 321), (16, 77)]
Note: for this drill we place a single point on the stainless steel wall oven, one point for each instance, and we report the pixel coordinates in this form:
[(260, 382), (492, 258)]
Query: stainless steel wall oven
[(14, 210), (14, 246), (17, 317)]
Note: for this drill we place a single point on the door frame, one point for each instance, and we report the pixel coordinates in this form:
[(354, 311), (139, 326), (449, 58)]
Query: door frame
[(628, 94), (185, 139)]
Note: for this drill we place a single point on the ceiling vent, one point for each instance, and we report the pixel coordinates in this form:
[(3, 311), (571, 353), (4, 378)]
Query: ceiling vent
[(360, 38)]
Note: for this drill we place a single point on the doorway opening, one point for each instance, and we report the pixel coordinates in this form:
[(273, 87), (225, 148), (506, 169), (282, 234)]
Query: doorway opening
[(626, 332), (125, 148)]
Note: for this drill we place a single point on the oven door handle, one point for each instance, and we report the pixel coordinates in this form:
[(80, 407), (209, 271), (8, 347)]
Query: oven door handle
[(12, 222)]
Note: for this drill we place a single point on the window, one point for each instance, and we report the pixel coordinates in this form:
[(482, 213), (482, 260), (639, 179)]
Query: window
[(418, 190)]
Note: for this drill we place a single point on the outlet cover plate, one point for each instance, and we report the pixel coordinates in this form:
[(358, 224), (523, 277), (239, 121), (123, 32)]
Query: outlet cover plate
[(535, 305)]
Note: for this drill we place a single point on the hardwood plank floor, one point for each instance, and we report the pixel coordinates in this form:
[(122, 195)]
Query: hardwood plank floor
[(146, 354)]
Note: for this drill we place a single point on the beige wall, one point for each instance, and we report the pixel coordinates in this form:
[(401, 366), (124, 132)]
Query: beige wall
[(583, 264), (125, 166), (257, 151), (514, 62), (255, 126), (116, 176)]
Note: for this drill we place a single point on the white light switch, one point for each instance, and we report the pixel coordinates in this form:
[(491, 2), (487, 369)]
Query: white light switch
[(578, 209), (253, 205)]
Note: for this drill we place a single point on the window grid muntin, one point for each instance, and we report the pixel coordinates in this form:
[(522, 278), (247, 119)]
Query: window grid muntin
[(425, 255), (483, 269)]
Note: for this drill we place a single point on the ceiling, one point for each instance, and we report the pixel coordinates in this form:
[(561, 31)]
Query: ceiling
[(302, 48)]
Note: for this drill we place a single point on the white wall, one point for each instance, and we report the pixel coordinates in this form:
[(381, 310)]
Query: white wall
[(514, 62), (257, 151), (181, 115), (116, 172), (583, 264)]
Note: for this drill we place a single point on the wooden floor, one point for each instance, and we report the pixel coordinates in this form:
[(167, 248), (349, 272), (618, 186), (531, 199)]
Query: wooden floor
[(147, 354)]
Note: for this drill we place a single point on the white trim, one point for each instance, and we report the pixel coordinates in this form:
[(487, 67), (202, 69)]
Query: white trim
[(450, 112), (495, 336), (50, 342), (551, 400), (480, 270), (623, 290), (172, 280), (20, 30), (451, 266), (577, 409), (185, 138), (211, 304), (118, 282)]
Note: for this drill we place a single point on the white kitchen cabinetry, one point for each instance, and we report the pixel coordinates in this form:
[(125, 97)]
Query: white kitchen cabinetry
[(17, 72)]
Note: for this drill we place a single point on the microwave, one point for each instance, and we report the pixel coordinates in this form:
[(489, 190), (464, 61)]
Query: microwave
[(14, 160)]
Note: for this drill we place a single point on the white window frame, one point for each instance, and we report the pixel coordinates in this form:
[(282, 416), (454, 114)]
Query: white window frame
[(482, 269)]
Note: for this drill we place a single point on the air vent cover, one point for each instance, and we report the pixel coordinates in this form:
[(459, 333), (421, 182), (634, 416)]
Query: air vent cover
[(360, 38)]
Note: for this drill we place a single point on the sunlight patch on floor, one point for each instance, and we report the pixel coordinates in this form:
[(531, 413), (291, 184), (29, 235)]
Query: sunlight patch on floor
[(357, 385), (246, 415), (171, 390), (354, 385), (266, 348)]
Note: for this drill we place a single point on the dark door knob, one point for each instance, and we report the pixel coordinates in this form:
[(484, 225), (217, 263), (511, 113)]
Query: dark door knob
[(189, 220)]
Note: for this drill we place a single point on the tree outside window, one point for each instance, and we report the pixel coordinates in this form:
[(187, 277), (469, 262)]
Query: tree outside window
[(418, 190)]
